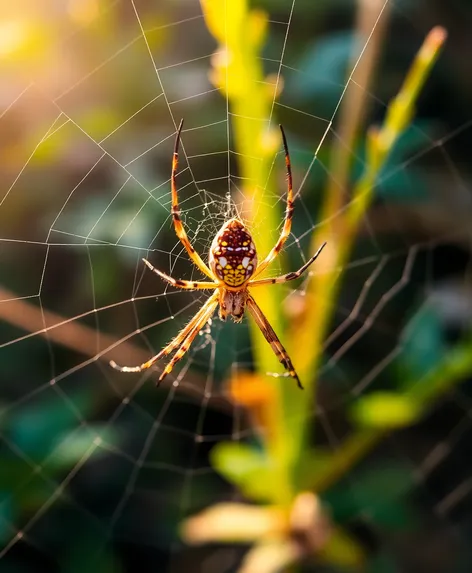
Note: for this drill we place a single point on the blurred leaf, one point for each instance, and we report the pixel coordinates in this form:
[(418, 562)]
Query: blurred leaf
[(379, 492), (34, 429), (157, 26), (14, 470), (403, 185), (51, 148), (99, 122), (58, 143), (2, 416), (70, 447), (342, 551), (423, 345), (399, 180), (245, 467), (325, 65), (382, 563), (7, 515), (89, 552), (314, 461), (317, 174), (34, 491), (385, 410), (417, 136), (124, 218)]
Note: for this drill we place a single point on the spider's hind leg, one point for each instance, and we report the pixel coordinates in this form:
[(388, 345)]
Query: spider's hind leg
[(272, 339), (197, 325)]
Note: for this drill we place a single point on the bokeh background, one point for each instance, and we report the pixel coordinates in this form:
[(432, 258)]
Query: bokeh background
[(80, 99)]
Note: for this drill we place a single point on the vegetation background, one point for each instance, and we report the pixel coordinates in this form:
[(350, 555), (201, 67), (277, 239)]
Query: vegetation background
[(399, 491)]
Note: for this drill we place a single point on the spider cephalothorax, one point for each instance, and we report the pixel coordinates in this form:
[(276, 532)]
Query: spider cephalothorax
[(233, 268)]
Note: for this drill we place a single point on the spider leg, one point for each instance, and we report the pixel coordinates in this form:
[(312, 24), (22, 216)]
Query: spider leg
[(272, 338), (179, 228), (178, 283), (288, 213), (196, 327), (289, 276), (175, 342)]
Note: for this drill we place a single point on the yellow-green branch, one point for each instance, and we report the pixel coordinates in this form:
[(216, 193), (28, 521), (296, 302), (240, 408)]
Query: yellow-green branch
[(237, 71), (340, 226)]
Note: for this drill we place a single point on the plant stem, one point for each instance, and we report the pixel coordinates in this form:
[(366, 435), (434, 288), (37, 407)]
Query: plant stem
[(239, 75), (341, 226), (324, 285)]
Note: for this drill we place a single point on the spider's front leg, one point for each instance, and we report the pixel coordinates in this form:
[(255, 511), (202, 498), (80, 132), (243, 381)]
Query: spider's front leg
[(179, 283), (289, 276), (178, 226)]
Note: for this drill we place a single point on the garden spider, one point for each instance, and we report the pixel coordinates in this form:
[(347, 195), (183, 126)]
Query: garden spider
[(232, 269)]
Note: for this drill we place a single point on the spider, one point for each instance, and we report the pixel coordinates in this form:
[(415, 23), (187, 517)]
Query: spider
[(232, 268)]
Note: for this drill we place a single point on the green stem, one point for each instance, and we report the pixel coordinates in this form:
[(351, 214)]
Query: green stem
[(239, 75), (340, 230)]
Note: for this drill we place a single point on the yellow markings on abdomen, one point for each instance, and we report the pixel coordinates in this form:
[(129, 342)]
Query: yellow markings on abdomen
[(233, 255)]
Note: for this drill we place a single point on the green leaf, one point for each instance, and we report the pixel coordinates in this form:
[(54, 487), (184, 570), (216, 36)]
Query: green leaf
[(50, 149), (35, 428), (342, 551), (70, 447), (7, 515), (402, 185), (3, 417), (324, 67), (88, 551), (398, 181), (423, 345), (385, 410), (113, 217), (99, 122), (382, 563), (379, 492), (313, 463), (247, 468), (15, 471)]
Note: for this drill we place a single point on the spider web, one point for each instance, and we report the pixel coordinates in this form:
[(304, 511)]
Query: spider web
[(86, 147)]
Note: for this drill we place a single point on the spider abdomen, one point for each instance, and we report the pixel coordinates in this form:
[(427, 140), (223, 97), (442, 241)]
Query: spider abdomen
[(233, 256)]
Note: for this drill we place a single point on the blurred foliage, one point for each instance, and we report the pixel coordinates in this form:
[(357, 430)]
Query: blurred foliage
[(325, 65)]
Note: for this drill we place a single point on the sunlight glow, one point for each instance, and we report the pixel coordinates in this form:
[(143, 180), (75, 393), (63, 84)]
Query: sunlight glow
[(13, 37)]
